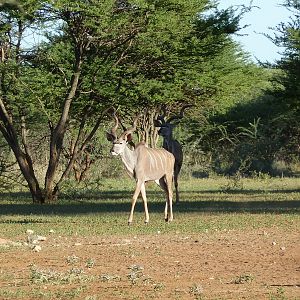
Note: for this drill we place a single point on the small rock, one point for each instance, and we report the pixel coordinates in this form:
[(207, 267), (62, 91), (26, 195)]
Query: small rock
[(41, 238), (31, 238), (29, 231), (273, 243), (37, 248)]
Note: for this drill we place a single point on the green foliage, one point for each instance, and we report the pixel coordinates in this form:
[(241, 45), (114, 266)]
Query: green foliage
[(282, 122), (149, 53), (253, 127)]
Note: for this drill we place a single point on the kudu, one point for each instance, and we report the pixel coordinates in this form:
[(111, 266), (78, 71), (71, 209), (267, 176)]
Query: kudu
[(171, 145), (144, 164)]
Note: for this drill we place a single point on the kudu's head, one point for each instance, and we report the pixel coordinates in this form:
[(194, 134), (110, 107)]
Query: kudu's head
[(120, 143), (167, 125)]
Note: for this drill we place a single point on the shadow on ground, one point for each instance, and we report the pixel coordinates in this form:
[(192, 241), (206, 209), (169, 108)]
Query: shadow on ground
[(119, 201)]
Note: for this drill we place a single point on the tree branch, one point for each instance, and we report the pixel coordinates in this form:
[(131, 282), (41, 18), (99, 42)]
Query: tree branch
[(78, 151)]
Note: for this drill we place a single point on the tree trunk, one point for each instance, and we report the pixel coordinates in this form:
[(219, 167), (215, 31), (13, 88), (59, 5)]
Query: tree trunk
[(57, 137), (26, 168), (24, 160)]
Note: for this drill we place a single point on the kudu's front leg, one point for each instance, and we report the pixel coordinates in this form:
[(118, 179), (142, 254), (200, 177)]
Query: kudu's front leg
[(140, 187)]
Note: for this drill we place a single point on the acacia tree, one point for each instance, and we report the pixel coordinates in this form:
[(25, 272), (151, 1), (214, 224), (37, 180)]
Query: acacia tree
[(150, 75), (131, 54), (279, 109), (229, 79), (13, 24), (256, 121), (51, 79), (185, 56), (286, 97)]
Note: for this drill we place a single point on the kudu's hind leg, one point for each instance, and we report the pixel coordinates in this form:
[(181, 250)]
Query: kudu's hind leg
[(143, 192), (176, 188), (176, 173), (162, 183), (169, 182)]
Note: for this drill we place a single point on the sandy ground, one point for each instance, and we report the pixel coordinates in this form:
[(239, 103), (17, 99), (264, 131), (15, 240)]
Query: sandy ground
[(255, 264)]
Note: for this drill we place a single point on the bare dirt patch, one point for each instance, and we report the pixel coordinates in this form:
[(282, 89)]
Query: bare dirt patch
[(254, 264)]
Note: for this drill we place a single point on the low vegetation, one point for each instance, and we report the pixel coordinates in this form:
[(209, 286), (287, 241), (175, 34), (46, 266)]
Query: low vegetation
[(207, 204), (210, 208)]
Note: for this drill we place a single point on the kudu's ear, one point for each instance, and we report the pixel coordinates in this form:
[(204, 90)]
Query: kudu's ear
[(129, 137), (110, 137), (157, 123), (160, 120)]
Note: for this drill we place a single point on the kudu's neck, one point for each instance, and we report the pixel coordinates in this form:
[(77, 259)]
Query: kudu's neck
[(167, 140), (129, 160)]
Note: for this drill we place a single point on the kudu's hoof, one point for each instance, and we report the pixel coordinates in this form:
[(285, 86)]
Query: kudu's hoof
[(168, 220)]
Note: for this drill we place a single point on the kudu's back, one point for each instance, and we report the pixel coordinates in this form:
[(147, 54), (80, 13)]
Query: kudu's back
[(153, 164)]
